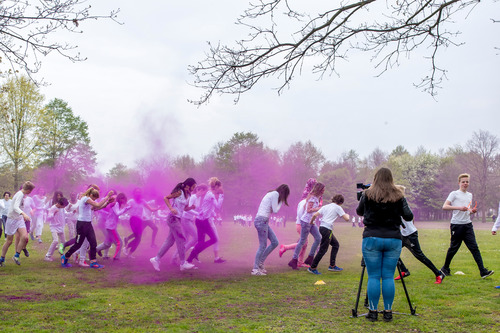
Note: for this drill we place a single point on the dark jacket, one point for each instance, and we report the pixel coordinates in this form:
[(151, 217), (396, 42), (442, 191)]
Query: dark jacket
[(383, 219)]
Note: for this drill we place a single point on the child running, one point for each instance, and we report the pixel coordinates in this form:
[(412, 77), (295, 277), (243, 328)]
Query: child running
[(328, 214), (270, 203), (178, 206), (15, 224), (312, 205), (84, 229), (56, 216)]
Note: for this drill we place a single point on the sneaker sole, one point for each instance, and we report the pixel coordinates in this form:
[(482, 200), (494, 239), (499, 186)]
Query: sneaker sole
[(490, 274)]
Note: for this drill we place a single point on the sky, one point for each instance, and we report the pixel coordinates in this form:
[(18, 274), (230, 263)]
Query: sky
[(134, 87)]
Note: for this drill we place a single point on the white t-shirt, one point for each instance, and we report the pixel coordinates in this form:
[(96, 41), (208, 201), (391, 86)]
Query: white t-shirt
[(29, 204), (300, 210), (136, 207), (409, 228), (57, 219), (459, 198), (192, 213), (84, 210), (269, 204), (5, 205), (306, 217), (329, 214), (179, 204)]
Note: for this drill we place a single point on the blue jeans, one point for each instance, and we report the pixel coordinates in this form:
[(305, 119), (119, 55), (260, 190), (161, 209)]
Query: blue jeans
[(305, 229), (264, 232), (381, 256), (175, 235)]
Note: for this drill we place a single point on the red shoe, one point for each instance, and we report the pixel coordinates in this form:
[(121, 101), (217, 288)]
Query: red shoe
[(403, 274), (282, 250), (439, 279)]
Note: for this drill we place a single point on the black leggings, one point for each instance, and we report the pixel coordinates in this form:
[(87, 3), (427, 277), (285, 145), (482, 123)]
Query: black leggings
[(463, 233), (412, 244), (327, 238), (203, 228), (84, 230), (137, 228)]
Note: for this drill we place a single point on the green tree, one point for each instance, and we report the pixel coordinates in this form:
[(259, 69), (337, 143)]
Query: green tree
[(62, 130), (21, 113)]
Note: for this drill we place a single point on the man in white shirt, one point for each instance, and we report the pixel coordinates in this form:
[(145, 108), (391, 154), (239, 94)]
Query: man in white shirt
[(460, 202)]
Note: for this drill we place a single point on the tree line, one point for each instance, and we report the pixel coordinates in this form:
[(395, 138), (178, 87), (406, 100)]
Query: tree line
[(48, 143)]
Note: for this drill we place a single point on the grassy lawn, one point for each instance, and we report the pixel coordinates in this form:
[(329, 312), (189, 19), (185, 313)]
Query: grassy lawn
[(130, 296)]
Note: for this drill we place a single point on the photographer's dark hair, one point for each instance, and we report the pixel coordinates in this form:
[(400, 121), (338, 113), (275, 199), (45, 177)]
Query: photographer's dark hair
[(383, 188)]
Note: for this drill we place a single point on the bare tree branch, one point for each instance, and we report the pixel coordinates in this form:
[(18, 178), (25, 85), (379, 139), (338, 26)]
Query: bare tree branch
[(386, 30)]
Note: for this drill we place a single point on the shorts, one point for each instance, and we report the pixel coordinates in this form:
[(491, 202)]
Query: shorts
[(12, 226)]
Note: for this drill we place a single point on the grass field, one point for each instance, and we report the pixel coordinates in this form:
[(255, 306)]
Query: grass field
[(130, 296)]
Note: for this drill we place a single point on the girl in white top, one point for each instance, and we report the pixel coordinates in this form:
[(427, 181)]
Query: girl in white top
[(4, 208), (57, 220), (118, 208), (71, 215), (39, 215), (178, 205), (84, 229), (271, 203)]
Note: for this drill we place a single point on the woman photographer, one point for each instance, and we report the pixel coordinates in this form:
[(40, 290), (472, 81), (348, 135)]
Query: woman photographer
[(382, 206)]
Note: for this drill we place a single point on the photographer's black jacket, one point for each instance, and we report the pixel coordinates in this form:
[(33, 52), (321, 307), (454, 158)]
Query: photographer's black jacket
[(383, 219)]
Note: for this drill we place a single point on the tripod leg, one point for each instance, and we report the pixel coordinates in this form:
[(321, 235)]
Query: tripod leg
[(412, 309), (355, 310)]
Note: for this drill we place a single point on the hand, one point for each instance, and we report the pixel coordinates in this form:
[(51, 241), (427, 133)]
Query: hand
[(26, 217), (473, 210), (173, 211), (464, 209)]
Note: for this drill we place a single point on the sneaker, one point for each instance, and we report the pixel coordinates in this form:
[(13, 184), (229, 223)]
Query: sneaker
[(403, 274), (309, 260), (16, 260), (497, 287), (257, 271), (99, 253), (39, 240), (282, 250), (219, 260), (186, 265), (66, 265), (262, 269), (484, 274), (439, 278), (372, 315), (64, 260), (48, 259), (335, 269), (293, 263), (96, 265), (301, 264), (83, 263), (26, 253), (445, 271), (387, 316), (126, 252), (155, 263), (313, 271), (2, 260)]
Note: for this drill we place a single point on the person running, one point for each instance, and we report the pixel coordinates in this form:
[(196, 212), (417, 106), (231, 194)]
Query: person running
[(177, 207), (15, 224), (212, 183), (40, 212), (148, 222), (311, 206), (137, 204), (84, 229), (409, 235), (208, 203), (118, 207), (328, 214), (300, 211), (460, 202), (56, 217), (28, 207), (270, 203), (71, 215)]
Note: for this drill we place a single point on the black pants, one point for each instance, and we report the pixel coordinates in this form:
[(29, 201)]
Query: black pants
[(463, 233), (154, 228), (137, 228), (327, 238), (84, 230), (203, 228), (412, 244)]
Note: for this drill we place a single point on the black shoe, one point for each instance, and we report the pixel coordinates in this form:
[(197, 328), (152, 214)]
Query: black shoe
[(387, 316), (486, 273), (372, 315), (293, 263), (26, 253), (309, 260), (445, 271)]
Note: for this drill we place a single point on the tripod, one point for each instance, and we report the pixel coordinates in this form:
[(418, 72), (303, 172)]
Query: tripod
[(355, 310)]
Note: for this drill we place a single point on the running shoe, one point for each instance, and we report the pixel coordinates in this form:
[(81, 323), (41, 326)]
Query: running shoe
[(185, 266), (32, 237), (335, 269), (155, 263), (26, 253), (48, 259), (2, 260), (439, 278), (64, 261), (313, 271), (16, 260), (403, 274), (83, 263), (262, 269), (219, 260), (60, 248), (282, 250), (39, 240), (96, 265), (257, 271), (445, 271), (484, 274)]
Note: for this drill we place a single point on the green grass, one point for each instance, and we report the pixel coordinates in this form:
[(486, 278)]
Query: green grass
[(130, 296)]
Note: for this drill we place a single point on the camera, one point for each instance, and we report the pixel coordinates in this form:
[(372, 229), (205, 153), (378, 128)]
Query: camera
[(361, 187)]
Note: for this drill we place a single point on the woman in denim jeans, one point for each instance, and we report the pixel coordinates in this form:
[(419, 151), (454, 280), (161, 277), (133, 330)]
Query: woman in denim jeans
[(382, 206), (271, 203)]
